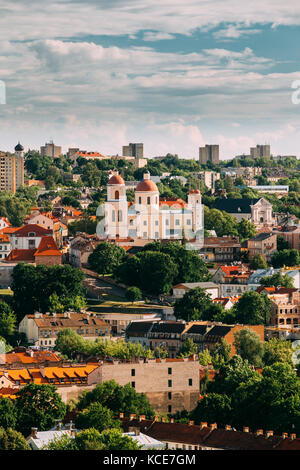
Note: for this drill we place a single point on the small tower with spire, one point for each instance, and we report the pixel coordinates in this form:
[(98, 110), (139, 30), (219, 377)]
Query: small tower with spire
[(19, 150)]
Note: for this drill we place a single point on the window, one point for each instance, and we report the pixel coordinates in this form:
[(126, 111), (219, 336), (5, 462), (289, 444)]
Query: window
[(169, 408), (119, 216), (117, 195), (170, 395), (169, 383), (132, 372), (113, 216), (140, 200), (190, 382), (133, 384), (148, 200), (169, 370)]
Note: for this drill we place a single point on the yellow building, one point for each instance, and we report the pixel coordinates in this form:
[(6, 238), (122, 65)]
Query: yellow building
[(12, 170)]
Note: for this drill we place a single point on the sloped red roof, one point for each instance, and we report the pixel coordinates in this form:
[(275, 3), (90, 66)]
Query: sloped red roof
[(32, 228), (47, 247), (21, 255)]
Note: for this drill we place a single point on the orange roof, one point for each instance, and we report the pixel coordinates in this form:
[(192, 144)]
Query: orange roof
[(9, 229), (116, 179), (21, 255), (172, 202), (8, 392), (26, 357), (146, 185), (230, 269), (4, 238), (47, 247)]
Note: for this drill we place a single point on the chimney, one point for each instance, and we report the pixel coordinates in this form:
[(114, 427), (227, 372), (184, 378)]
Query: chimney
[(132, 416), (34, 432), (121, 415), (135, 430), (191, 423), (142, 417), (292, 436), (284, 435), (259, 432), (269, 433), (203, 425), (213, 426), (245, 429), (227, 427)]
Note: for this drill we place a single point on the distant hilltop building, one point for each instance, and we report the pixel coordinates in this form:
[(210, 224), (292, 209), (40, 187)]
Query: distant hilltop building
[(51, 150), (12, 169), (209, 153), (150, 217), (133, 150), (260, 151)]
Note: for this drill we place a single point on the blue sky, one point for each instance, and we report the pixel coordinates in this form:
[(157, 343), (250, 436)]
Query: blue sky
[(174, 75)]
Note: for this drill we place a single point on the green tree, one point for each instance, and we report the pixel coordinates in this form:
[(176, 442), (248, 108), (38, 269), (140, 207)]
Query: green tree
[(258, 262), (188, 348), (117, 398), (88, 439), (285, 258), (11, 439), (277, 280), (133, 294), (106, 258), (113, 439), (246, 229), (213, 408), (38, 406), (221, 353), (33, 286), (8, 414), (192, 305), (277, 350), (252, 309), (98, 417), (249, 346), (69, 343), (7, 320)]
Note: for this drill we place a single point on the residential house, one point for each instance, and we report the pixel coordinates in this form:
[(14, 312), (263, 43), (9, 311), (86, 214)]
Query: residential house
[(232, 280), (210, 288), (264, 244), (42, 329), (80, 249), (221, 249), (285, 304)]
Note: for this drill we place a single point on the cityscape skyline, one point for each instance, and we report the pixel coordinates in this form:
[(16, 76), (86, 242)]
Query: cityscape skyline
[(174, 76)]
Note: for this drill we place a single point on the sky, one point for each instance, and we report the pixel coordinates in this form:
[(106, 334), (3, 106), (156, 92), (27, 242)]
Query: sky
[(175, 75)]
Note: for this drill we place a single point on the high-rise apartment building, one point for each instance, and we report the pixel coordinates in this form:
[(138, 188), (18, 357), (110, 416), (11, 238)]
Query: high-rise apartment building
[(260, 151), (12, 170), (51, 150), (133, 150), (209, 153)]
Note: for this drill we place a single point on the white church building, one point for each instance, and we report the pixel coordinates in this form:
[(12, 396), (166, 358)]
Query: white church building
[(150, 217)]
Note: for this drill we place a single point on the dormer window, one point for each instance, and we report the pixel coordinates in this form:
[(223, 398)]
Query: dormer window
[(31, 234)]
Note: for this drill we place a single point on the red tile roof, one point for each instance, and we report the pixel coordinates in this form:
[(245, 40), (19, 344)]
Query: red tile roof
[(32, 228), (21, 255), (47, 247)]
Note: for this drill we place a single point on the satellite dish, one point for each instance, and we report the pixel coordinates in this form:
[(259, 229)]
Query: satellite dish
[(296, 353)]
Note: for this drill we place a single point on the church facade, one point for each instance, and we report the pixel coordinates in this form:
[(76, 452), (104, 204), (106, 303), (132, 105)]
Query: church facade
[(150, 217)]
